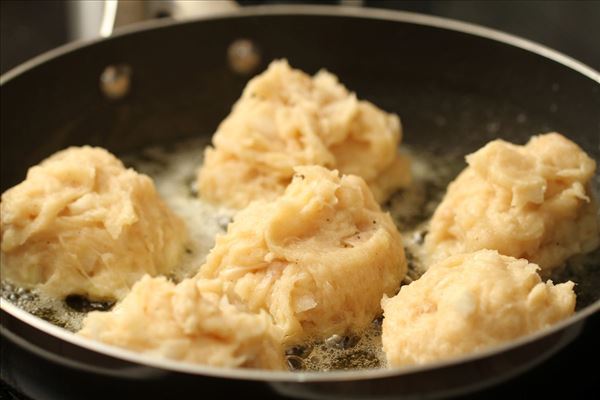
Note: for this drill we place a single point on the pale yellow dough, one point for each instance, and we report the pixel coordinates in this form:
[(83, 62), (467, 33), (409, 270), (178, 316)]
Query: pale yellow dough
[(318, 258), (81, 223), (532, 201), (286, 118), (314, 262), (467, 303), (192, 321)]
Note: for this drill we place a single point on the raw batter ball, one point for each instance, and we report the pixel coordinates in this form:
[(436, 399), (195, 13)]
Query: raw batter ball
[(81, 223), (192, 321), (318, 258), (467, 303), (532, 201), (286, 118)]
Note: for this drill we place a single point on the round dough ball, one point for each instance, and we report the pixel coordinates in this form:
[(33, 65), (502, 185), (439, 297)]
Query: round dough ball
[(286, 118), (191, 321), (318, 258), (81, 223), (467, 303), (531, 201)]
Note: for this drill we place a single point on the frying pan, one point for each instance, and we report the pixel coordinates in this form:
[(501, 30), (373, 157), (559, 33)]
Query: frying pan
[(455, 86)]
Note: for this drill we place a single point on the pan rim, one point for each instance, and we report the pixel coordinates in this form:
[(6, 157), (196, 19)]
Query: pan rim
[(285, 376)]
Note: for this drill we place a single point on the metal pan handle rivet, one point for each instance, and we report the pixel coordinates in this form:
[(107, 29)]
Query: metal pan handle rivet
[(115, 81), (243, 56)]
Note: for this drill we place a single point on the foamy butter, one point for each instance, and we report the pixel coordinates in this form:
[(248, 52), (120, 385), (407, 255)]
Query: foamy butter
[(353, 351), (174, 174), (412, 208)]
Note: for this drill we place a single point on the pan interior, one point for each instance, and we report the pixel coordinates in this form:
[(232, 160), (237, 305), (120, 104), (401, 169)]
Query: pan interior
[(173, 169)]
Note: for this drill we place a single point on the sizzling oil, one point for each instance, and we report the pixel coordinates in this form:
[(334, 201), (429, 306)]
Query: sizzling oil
[(174, 173)]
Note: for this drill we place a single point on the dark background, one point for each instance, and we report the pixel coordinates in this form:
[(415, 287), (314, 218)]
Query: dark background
[(31, 27), (28, 28)]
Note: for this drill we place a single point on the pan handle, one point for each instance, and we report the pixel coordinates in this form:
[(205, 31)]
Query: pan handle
[(109, 15), (117, 13)]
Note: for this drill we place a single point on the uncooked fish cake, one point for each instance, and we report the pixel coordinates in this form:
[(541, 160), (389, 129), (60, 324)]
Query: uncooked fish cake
[(467, 303), (284, 119), (192, 321), (81, 223), (533, 201), (318, 258)]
